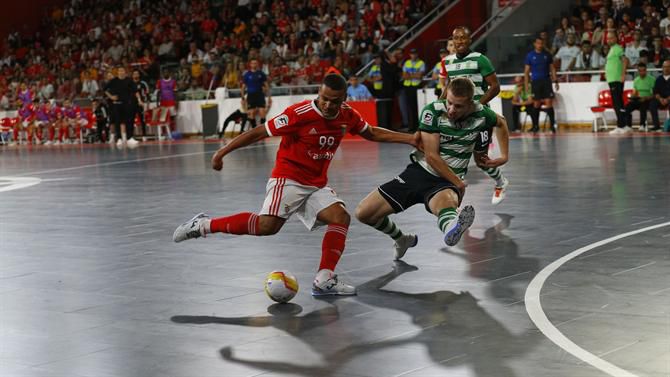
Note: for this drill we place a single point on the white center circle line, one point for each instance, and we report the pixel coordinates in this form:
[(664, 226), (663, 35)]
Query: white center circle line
[(537, 315)]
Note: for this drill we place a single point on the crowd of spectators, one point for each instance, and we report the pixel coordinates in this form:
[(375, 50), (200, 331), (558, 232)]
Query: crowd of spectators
[(204, 43), (642, 29)]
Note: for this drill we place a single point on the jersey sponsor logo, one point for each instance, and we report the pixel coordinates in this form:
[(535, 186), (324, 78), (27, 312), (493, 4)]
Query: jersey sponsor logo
[(321, 155), (427, 118), (312, 131), (445, 138), (281, 121)]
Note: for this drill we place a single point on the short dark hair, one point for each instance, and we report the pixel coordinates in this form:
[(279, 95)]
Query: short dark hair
[(335, 81), (641, 65), (586, 43), (461, 87)]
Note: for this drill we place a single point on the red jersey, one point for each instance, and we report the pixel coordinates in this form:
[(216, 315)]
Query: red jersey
[(309, 141)]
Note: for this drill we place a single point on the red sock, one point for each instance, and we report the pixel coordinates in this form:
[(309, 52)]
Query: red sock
[(333, 245), (241, 223), (52, 133)]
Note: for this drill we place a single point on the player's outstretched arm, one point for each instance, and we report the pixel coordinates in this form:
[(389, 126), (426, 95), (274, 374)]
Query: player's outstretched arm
[(247, 138), (382, 135), (431, 149)]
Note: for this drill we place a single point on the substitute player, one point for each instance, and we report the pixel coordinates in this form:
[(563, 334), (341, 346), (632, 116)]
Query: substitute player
[(450, 131), (478, 68), (311, 133)]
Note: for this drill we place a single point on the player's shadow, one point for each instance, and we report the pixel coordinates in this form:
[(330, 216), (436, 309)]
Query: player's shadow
[(495, 258), (453, 328)]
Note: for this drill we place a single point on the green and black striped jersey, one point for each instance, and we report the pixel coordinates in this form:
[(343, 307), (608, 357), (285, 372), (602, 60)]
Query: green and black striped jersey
[(458, 139), (474, 66)]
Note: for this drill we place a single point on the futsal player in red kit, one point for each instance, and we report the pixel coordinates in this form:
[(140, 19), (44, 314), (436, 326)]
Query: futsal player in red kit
[(311, 132)]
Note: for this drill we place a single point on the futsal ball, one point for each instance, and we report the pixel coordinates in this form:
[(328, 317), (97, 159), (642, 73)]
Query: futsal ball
[(281, 286)]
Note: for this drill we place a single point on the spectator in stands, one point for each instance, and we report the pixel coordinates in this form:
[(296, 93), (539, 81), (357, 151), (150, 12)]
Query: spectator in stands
[(567, 53), (643, 93), (357, 91), (644, 59), (661, 95), (254, 90), (648, 21), (194, 53), (664, 25), (545, 40), (567, 27), (539, 72), (587, 59), (559, 41), (413, 71), (231, 78), (633, 49), (521, 101), (615, 74), (89, 87), (657, 53)]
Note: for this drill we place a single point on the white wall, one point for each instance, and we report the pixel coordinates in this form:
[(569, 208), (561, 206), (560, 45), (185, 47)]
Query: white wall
[(573, 105)]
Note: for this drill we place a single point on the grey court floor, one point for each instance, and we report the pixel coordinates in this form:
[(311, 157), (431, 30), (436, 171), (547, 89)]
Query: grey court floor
[(91, 284)]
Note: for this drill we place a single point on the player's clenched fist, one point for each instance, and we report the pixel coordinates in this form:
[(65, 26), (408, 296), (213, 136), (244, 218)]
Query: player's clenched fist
[(217, 162)]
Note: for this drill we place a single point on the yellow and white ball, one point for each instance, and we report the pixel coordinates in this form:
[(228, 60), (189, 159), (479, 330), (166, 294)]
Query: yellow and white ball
[(281, 286)]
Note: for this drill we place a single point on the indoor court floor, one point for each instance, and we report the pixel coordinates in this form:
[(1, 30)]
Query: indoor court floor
[(569, 276)]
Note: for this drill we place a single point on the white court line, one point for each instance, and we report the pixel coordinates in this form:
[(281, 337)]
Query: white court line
[(538, 316)]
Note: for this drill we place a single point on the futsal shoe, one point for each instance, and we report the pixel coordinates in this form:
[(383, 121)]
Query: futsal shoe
[(499, 192), (132, 142), (194, 228), (459, 225), (326, 283), (403, 243)]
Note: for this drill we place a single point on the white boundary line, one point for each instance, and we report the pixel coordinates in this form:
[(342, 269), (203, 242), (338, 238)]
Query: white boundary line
[(16, 183), (537, 315)]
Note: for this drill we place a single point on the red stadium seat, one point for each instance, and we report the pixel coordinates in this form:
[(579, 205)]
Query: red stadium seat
[(604, 104)]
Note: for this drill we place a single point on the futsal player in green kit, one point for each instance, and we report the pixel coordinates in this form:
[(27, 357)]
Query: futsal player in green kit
[(478, 68), (451, 131)]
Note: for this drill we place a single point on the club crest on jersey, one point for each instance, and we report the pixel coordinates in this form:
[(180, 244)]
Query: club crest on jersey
[(281, 121), (427, 118)]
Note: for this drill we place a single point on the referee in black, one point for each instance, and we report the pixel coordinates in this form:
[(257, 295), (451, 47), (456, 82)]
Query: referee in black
[(120, 91)]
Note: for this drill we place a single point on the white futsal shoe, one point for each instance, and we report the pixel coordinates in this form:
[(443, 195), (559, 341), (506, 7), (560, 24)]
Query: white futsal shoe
[(326, 283), (403, 243), (194, 228), (459, 225), (499, 192)]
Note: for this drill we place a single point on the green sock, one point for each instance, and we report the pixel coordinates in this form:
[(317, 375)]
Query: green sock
[(445, 217), (388, 227), (496, 174)]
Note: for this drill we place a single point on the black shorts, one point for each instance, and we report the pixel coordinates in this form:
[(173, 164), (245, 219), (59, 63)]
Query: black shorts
[(121, 113), (255, 100), (412, 186), (542, 89)]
